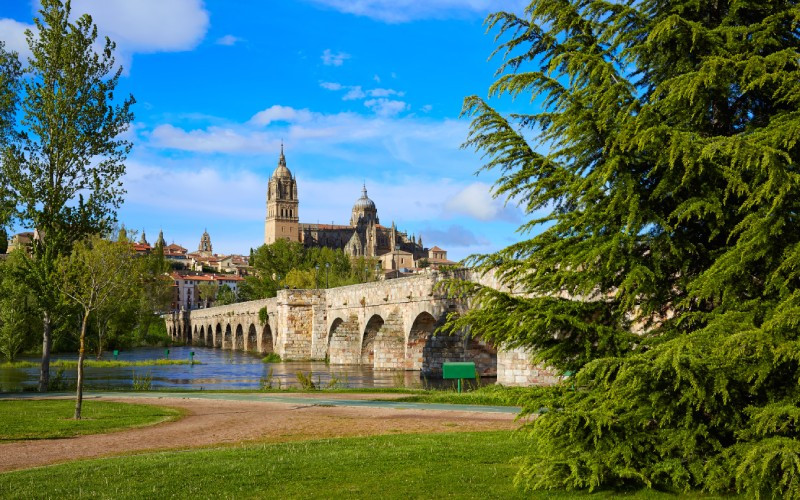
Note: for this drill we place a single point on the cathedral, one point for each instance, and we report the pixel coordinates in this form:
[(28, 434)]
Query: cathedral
[(363, 237)]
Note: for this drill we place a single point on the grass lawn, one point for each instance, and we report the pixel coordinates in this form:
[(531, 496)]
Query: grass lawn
[(47, 419), (94, 363), (492, 395), (458, 465)]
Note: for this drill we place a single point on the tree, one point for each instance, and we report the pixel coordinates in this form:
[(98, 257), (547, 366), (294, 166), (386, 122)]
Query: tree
[(664, 158), (93, 276), (225, 296), (207, 292), (17, 308), (63, 163), (9, 98)]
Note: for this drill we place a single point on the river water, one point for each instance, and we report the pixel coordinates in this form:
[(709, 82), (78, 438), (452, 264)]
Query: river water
[(218, 369)]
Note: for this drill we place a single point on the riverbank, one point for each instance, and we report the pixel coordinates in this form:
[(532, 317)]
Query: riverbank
[(94, 363)]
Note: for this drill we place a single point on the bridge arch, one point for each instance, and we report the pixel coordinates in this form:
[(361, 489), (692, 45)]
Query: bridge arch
[(252, 339), (218, 336), (418, 352), (343, 341), (227, 341), (371, 330), (267, 342), (238, 344)]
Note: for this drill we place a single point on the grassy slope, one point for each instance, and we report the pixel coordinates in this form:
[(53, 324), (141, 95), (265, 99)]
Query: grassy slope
[(47, 419), (458, 465)]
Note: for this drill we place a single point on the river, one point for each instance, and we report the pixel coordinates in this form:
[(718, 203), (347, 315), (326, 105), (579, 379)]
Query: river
[(217, 369)]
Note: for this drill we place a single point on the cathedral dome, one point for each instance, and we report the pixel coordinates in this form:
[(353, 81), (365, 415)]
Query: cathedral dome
[(364, 203), (282, 171)]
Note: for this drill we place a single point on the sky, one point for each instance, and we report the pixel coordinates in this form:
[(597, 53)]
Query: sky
[(358, 91)]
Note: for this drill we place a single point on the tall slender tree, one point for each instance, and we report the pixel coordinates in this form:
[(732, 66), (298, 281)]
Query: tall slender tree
[(96, 273), (663, 150), (63, 166), (9, 100)]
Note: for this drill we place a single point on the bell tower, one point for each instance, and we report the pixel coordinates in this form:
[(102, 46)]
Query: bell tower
[(282, 220)]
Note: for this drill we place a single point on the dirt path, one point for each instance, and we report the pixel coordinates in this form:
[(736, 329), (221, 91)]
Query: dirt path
[(215, 422)]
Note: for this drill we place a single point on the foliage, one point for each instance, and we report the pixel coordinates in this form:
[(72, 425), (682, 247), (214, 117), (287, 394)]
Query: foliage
[(89, 363), (305, 381), (225, 296), (272, 357), (423, 263), (96, 273), (207, 292), (44, 419), (667, 204), (289, 264), (18, 315), (64, 159), (141, 382), (450, 465), (263, 316)]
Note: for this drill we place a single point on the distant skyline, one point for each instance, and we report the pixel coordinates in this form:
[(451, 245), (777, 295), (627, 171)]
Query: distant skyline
[(366, 91)]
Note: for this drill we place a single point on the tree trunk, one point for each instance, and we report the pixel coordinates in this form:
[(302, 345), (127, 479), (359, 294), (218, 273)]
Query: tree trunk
[(101, 330), (81, 353), (47, 342)]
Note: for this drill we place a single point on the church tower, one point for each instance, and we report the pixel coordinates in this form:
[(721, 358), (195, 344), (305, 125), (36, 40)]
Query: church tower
[(282, 219), (205, 248)]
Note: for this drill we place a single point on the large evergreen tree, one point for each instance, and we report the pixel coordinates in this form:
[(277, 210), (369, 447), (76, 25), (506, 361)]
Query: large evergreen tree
[(664, 150), (62, 166)]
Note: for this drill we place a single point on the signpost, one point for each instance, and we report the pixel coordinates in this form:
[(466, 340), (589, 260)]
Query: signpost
[(191, 357), (116, 353), (459, 371), (166, 353)]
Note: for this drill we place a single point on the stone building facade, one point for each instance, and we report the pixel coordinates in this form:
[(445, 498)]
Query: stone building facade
[(363, 237)]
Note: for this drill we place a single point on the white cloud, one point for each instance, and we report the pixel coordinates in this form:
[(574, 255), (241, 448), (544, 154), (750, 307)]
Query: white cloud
[(148, 25), (386, 107), (212, 140), (354, 137), (141, 26), (384, 92), (476, 201), (279, 113), (399, 11), (427, 108), (331, 85), (331, 59), (377, 78), (354, 93), (13, 34), (228, 40)]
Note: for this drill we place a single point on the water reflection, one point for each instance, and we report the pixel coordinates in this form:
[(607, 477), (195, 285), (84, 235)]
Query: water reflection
[(220, 369)]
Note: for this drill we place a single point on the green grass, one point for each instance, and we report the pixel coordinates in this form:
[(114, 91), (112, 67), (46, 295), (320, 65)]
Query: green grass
[(48, 419), (272, 358), (93, 363), (490, 395), (458, 465)]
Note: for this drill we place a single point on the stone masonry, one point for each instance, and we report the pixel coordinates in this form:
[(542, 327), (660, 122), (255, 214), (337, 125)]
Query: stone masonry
[(389, 325)]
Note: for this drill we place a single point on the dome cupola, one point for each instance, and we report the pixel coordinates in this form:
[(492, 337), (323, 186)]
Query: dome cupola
[(364, 210), (282, 171)]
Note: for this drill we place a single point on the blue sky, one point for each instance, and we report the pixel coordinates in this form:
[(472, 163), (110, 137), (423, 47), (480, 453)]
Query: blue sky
[(358, 90)]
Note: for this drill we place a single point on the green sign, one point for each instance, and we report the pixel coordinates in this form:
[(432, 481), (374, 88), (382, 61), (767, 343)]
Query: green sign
[(166, 352), (116, 353), (458, 370)]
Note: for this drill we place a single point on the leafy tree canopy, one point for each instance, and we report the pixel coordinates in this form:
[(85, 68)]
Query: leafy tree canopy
[(663, 152)]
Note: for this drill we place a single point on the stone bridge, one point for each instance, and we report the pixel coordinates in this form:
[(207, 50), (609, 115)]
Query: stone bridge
[(388, 325)]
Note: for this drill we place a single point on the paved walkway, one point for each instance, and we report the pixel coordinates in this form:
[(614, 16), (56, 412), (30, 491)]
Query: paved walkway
[(215, 419), (364, 400)]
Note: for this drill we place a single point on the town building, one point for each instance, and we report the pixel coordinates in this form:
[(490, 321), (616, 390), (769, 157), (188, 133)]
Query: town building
[(363, 237), (187, 294)]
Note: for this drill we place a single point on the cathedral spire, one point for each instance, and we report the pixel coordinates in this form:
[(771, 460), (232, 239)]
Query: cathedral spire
[(282, 160)]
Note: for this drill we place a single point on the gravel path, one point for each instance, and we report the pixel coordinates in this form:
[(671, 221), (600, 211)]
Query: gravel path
[(211, 422)]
